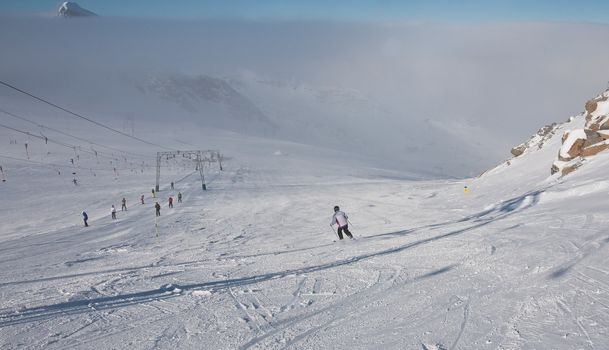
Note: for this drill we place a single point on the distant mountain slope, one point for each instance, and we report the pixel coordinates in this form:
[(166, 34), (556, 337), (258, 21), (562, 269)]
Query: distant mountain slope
[(213, 99), (72, 9), (349, 120)]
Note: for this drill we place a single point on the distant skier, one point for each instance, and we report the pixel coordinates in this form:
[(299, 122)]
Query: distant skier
[(142, 199), (172, 185), (75, 182), (153, 194), (85, 217), (341, 219), (170, 200), (124, 204), (113, 212), (179, 197), (157, 206)]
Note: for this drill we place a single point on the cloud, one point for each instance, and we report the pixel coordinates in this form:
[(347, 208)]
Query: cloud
[(505, 80)]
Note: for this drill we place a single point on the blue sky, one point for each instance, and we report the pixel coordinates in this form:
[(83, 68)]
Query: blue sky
[(354, 10)]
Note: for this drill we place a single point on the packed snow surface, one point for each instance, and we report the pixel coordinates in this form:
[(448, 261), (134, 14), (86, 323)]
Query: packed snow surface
[(518, 262)]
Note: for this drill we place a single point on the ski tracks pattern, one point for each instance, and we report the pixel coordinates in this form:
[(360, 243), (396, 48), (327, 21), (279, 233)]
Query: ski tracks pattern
[(330, 314)]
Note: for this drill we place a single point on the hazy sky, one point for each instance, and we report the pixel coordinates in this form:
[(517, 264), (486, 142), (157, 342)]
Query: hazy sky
[(508, 78), (459, 11), (491, 82)]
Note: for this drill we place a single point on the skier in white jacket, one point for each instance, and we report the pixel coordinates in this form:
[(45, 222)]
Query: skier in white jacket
[(341, 219)]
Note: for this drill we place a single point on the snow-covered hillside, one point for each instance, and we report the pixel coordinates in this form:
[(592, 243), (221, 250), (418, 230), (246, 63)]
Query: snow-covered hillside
[(518, 262), (213, 101)]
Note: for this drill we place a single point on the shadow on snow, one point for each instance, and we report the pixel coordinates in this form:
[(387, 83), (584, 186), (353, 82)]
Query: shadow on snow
[(497, 212), (40, 313)]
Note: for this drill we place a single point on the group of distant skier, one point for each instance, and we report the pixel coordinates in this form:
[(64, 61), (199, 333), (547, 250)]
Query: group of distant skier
[(157, 206), (339, 218)]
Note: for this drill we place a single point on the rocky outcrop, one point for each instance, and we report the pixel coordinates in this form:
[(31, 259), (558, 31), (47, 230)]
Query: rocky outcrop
[(537, 140), (592, 138), (599, 124), (587, 142), (570, 168), (518, 150), (572, 145), (591, 106), (594, 150)]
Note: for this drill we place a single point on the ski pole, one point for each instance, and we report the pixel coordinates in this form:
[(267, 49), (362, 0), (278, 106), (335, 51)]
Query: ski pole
[(333, 230), (349, 222)]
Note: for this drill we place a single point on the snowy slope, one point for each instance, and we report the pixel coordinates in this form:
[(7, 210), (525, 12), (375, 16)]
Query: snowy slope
[(519, 262)]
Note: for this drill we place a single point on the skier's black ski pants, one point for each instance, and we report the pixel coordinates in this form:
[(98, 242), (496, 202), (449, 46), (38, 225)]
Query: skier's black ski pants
[(346, 229)]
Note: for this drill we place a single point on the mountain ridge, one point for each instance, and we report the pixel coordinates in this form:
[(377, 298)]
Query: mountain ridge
[(72, 9)]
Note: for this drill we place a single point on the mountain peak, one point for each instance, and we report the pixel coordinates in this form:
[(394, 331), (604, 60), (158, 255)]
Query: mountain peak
[(72, 9)]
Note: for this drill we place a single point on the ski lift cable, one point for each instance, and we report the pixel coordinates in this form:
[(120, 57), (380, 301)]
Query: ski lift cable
[(67, 145), (36, 136), (70, 166), (53, 165), (64, 144), (82, 117), (69, 135)]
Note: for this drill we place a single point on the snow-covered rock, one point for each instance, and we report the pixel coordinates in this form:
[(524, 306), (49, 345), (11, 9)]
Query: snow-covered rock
[(592, 137), (586, 142), (597, 108), (565, 167), (595, 149), (538, 140), (573, 142), (604, 134), (600, 123)]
